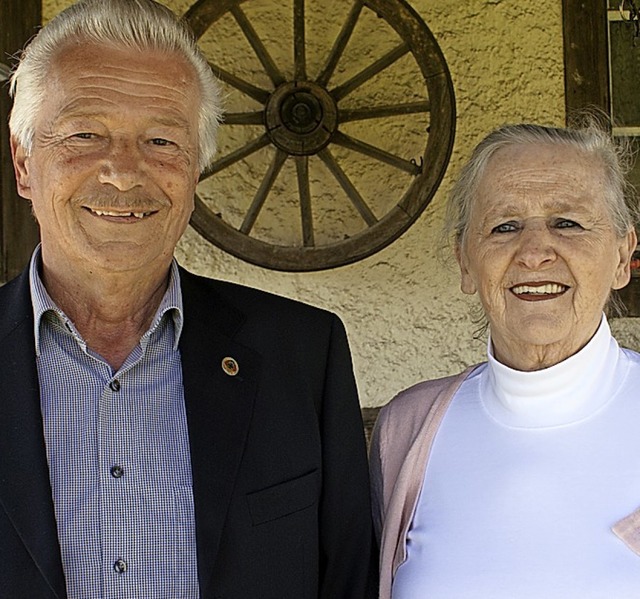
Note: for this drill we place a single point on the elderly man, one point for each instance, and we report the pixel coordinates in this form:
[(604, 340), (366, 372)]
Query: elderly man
[(162, 435)]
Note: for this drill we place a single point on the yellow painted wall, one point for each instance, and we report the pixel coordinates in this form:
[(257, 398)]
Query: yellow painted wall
[(405, 315)]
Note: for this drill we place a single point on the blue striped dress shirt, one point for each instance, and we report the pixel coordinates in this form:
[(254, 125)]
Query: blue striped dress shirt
[(118, 451)]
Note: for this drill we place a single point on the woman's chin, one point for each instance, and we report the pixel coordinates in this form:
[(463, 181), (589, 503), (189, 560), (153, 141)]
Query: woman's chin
[(536, 344)]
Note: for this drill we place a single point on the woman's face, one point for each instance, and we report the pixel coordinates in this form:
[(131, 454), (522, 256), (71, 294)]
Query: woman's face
[(542, 253)]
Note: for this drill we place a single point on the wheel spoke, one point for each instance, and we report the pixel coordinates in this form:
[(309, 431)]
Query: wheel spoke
[(373, 152), (258, 47), (320, 101), (243, 118), (263, 191), (300, 59), (226, 161), (340, 44), (302, 168), (348, 187), (371, 71), (257, 93), (376, 112)]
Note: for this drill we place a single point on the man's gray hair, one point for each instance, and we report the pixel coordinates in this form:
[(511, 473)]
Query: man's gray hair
[(135, 24), (590, 137)]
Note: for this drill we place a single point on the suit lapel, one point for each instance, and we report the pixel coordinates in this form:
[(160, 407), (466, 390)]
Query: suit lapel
[(25, 491), (219, 408)]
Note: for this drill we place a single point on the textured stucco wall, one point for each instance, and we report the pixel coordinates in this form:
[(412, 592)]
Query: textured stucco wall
[(402, 307)]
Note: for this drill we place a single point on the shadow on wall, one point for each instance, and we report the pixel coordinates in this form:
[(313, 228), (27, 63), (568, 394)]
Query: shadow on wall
[(369, 416)]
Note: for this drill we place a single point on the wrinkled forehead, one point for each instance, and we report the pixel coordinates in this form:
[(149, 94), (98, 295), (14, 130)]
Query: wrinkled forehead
[(104, 77), (82, 57), (560, 170), (544, 162)]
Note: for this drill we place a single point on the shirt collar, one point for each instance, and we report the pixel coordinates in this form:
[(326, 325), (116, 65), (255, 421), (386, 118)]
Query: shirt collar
[(42, 303), (562, 394)]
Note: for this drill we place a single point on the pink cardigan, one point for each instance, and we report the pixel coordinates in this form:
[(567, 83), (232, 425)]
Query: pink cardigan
[(400, 447)]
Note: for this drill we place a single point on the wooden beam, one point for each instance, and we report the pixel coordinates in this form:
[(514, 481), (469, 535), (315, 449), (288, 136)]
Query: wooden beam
[(586, 64), (18, 229)]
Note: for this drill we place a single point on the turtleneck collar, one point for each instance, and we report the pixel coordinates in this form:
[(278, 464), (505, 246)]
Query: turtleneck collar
[(562, 394)]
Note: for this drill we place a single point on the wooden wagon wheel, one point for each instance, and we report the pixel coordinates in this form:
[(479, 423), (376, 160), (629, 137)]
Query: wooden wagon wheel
[(303, 117)]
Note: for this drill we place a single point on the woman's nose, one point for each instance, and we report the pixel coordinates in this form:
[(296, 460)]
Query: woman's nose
[(536, 248)]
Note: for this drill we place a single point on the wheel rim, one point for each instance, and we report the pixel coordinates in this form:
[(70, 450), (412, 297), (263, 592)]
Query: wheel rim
[(303, 121)]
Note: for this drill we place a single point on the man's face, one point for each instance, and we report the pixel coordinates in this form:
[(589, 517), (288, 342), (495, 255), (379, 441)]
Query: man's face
[(114, 164)]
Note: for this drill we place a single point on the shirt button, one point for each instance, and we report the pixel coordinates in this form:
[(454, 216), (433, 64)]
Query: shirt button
[(120, 566), (117, 471), (114, 385)]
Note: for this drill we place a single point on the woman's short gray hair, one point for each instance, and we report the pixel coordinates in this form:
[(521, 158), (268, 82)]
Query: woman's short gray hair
[(136, 24), (589, 137)]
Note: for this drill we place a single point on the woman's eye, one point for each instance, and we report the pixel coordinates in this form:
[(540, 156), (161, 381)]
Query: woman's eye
[(505, 228), (158, 141), (564, 223), (84, 135)]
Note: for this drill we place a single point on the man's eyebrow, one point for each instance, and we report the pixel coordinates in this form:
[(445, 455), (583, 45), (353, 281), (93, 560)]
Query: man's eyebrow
[(68, 114), (173, 122)]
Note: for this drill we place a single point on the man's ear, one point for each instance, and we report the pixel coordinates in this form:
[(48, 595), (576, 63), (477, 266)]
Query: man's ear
[(21, 168), (467, 284)]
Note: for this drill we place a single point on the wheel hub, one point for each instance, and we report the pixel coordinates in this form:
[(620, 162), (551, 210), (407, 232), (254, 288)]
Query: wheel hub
[(301, 117)]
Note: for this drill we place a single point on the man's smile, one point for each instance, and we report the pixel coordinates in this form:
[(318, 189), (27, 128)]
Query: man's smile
[(121, 213)]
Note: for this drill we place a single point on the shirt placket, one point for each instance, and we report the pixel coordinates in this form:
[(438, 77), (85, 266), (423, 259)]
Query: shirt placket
[(120, 512)]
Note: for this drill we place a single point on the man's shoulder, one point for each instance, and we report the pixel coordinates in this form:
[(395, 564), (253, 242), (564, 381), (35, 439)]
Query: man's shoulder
[(15, 302), (17, 285), (264, 321), (248, 300)]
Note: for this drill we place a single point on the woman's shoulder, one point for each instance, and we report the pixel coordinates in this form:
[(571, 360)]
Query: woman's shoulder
[(409, 408), (409, 420), (421, 395)]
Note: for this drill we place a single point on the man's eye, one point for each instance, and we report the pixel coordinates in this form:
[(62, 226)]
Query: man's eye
[(159, 141), (84, 135), (505, 228)]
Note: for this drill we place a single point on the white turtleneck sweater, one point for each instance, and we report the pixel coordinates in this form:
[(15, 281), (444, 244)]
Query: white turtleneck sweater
[(528, 473)]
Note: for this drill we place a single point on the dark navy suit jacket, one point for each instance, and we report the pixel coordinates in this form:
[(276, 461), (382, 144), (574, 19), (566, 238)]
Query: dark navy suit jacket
[(278, 457)]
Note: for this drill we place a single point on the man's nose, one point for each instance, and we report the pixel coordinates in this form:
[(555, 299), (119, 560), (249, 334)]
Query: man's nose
[(122, 166)]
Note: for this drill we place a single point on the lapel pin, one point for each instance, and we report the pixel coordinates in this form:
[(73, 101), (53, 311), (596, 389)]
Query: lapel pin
[(230, 366)]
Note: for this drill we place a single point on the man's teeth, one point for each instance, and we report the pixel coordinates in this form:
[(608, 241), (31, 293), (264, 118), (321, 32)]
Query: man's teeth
[(121, 214), (548, 289)]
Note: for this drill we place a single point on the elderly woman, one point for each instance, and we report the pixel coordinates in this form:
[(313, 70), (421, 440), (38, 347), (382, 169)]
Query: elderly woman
[(520, 478)]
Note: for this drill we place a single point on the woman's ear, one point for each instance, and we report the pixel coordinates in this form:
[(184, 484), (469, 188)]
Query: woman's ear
[(626, 247), (467, 284)]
